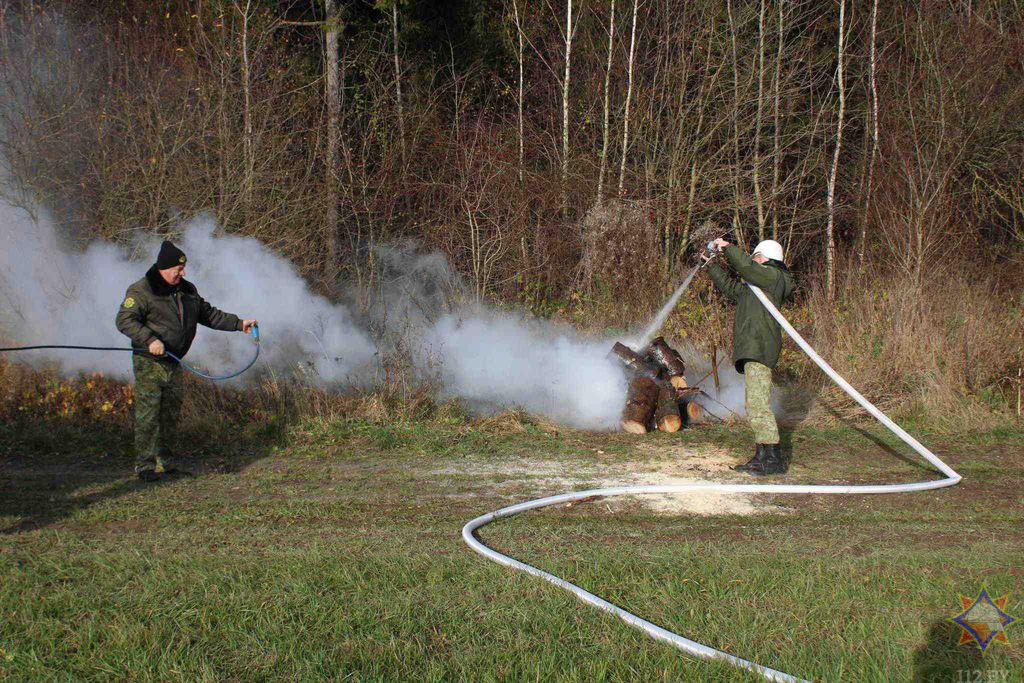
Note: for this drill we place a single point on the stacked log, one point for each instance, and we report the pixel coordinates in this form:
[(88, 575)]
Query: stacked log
[(636, 364), (666, 413), (657, 389), (643, 394), (669, 359)]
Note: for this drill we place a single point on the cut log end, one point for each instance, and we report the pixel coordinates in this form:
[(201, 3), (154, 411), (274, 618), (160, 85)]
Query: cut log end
[(640, 403), (694, 412), (670, 423), (678, 381), (666, 415), (633, 427)]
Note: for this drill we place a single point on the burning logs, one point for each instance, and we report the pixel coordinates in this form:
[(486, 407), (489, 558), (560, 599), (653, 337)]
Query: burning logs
[(657, 389)]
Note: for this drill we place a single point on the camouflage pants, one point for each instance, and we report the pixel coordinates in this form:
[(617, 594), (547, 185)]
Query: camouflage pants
[(758, 402), (158, 395)]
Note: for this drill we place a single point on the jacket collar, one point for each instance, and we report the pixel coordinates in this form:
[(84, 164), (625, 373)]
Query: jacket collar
[(160, 287)]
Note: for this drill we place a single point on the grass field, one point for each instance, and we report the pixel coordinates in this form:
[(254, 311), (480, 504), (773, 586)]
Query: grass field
[(331, 550)]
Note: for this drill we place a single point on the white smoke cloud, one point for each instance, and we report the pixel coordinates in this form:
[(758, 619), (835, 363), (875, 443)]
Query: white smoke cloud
[(53, 295), (491, 360), (495, 360)]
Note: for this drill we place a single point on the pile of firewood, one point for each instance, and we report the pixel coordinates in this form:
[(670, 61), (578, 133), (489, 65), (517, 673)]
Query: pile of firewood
[(658, 395)]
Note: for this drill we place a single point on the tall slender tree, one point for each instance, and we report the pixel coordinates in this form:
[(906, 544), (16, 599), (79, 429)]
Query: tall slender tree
[(569, 30), (521, 93), (865, 215), (629, 98), (777, 125), (757, 122), (398, 81), (607, 105), (333, 105), (248, 152), (830, 240)]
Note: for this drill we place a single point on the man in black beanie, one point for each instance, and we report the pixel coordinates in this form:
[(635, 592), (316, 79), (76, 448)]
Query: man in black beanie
[(160, 313)]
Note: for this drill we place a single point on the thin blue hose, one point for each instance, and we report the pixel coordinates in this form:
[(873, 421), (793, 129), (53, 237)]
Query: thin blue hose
[(194, 371)]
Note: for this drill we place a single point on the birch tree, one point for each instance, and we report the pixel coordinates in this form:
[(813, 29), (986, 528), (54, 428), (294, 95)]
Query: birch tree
[(331, 29), (735, 121), (519, 102), (607, 106), (569, 30), (874, 135), (757, 122), (830, 242), (398, 80), (629, 98), (777, 146), (248, 156)]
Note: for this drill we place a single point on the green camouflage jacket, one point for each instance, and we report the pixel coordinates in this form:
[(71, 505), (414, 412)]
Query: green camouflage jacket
[(153, 309), (755, 334)]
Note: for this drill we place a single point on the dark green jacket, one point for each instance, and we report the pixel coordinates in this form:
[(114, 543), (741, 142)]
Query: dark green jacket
[(153, 309), (755, 334)]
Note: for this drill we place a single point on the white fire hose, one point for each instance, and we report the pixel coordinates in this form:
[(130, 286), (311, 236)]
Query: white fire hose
[(653, 630)]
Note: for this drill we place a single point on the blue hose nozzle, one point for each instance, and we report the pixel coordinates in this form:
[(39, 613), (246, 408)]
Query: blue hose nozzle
[(256, 333)]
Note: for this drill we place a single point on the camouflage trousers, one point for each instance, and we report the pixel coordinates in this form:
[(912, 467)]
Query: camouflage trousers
[(758, 402), (158, 396)]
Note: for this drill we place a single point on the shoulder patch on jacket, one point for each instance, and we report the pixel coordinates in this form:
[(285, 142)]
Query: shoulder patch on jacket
[(129, 302)]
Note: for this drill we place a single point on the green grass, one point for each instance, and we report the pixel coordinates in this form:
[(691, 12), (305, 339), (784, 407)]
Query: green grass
[(331, 550)]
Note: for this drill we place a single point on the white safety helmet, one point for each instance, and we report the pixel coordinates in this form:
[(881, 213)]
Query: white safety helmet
[(769, 249)]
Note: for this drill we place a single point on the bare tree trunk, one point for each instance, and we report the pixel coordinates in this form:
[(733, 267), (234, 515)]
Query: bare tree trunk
[(736, 122), (398, 81), (777, 146), (757, 122), (830, 242), (607, 107), (565, 107), (519, 33), (247, 141), (874, 137), (333, 129), (629, 98), (223, 129)]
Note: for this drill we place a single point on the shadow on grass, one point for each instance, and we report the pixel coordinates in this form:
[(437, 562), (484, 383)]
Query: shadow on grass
[(798, 400), (940, 659), (51, 469)]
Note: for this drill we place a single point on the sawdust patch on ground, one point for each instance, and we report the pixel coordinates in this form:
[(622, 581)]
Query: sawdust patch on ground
[(518, 478)]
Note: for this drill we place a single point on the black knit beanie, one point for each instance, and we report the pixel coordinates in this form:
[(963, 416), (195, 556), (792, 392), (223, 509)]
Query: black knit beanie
[(169, 256)]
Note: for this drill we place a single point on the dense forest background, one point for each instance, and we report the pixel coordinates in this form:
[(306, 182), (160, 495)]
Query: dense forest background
[(561, 153)]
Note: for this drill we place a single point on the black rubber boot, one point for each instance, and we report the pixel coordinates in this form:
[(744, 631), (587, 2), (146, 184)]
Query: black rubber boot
[(148, 475), (773, 462), (754, 463)]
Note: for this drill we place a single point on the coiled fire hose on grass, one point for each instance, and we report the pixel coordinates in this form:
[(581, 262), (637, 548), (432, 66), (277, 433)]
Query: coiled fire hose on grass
[(653, 630), (194, 371)]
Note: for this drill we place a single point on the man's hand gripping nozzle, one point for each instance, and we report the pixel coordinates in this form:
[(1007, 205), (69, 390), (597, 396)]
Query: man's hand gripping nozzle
[(711, 250)]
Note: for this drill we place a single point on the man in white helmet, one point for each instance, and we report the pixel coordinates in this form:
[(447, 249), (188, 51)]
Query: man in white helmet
[(756, 339)]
